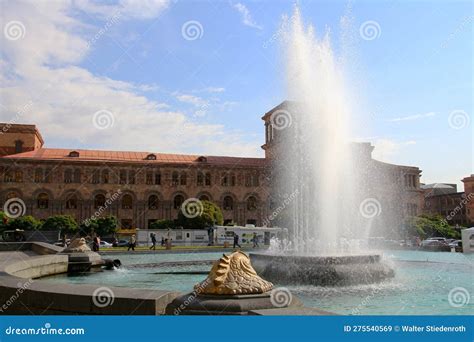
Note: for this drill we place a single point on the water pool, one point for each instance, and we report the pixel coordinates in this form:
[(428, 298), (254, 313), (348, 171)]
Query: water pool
[(421, 286)]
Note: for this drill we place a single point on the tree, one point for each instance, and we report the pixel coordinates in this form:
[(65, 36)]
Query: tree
[(101, 226), (63, 223), (3, 221), (163, 224), (209, 214), (25, 223), (426, 226)]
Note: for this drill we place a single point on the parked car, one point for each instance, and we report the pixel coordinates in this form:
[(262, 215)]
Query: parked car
[(430, 241), (105, 244), (120, 243), (435, 245)]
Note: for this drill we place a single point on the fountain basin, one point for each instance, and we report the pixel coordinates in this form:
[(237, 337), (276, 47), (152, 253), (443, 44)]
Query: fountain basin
[(321, 270)]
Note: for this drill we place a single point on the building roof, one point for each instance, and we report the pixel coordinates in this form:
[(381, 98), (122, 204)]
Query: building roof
[(56, 154)]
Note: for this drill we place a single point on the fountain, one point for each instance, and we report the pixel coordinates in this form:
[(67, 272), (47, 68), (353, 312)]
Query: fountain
[(315, 164)]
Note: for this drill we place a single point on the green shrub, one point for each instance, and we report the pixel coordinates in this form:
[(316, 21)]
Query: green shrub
[(211, 215)]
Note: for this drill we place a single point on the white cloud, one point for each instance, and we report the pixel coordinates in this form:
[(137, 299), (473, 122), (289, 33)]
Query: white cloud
[(214, 89), (191, 99), (130, 9), (388, 150), (246, 16), (40, 72), (413, 117)]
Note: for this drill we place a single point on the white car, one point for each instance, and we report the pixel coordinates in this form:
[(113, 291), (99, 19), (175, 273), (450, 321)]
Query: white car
[(105, 244)]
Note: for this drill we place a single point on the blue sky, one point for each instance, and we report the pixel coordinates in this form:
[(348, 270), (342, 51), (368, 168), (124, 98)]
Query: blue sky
[(164, 89)]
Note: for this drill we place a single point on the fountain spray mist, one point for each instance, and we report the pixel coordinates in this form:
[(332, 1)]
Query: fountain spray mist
[(319, 161)]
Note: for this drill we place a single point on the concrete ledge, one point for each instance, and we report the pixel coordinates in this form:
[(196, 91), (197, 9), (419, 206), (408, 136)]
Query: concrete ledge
[(26, 297), (39, 266), (304, 311), (37, 247)]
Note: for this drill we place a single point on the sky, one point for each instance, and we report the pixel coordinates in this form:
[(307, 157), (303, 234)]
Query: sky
[(196, 76)]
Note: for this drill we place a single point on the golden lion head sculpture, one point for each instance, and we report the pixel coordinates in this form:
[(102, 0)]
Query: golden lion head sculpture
[(233, 274)]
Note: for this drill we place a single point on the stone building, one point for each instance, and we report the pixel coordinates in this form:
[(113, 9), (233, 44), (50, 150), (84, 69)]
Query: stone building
[(142, 187)]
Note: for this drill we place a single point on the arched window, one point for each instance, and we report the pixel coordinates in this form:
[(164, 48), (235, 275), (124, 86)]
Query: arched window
[(149, 178), (208, 179), (175, 178), (248, 180), (123, 177), (38, 175), (204, 198), (157, 178), (43, 201), (71, 202), (178, 201), (228, 203), (68, 176), (96, 177), (183, 179), (127, 202), (200, 179), (18, 146), (99, 201), (11, 195), (18, 176), (225, 180), (105, 177), (232, 179), (153, 202), (132, 177), (251, 203), (255, 181), (8, 177), (77, 176)]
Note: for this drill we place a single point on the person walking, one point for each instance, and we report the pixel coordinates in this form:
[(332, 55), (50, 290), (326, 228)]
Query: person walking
[(96, 243), (255, 240), (153, 241), (131, 243), (236, 240), (162, 241)]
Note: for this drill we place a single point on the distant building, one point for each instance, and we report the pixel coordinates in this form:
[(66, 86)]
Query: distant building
[(142, 187), (443, 199)]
